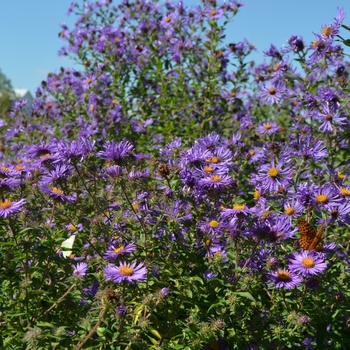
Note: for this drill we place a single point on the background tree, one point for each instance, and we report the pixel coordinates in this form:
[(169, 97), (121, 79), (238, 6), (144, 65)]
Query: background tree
[(6, 94)]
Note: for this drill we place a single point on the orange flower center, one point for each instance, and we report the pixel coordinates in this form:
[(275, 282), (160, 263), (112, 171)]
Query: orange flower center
[(322, 198), (327, 31), (213, 224), (283, 275), (290, 211), (118, 249), (308, 262), (238, 206), (208, 169), (215, 178), (6, 204), (273, 172), (272, 91), (345, 191), (57, 190), (126, 270)]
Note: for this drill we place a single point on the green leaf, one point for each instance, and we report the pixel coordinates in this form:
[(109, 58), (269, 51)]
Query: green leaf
[(246, 295), (346, 42), (154, 332), (189, 293)]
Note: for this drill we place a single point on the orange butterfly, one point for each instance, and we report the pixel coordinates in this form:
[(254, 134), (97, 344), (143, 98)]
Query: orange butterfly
[(309, 238)]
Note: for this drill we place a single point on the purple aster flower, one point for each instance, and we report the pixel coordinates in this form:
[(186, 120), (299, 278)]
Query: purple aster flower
[(272, 93), (267, 128), (214, 13), (89, 80), (116, 151), (285, 279), (310, 148), (332, 29), (80, 269), (272, 177), (7, 207), (126, 272), (92, 290), (164, 292), (307, 263), (59, 172), (293, 208), (114, 171), (218, 182), (8, 183), (330, 119), (296, 44), (121, 311), (327, 195), (273, 52), (321, 47), (56, 193), (115, 250)]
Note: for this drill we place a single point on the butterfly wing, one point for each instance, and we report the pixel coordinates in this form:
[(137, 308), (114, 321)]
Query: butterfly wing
[(307, 234), (317, 238), (68, 243)]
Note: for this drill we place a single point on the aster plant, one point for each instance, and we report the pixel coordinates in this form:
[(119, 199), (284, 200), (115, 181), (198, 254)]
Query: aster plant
[(169, 193)]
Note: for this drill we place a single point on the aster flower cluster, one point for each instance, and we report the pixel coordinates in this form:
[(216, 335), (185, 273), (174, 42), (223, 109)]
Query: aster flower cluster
[(154, 198)]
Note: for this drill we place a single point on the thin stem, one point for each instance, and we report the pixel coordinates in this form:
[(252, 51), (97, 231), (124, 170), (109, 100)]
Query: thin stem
[(93, 330), (57, 302)]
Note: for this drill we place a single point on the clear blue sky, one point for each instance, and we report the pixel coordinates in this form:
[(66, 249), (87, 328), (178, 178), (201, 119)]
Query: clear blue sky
[(29, 31)]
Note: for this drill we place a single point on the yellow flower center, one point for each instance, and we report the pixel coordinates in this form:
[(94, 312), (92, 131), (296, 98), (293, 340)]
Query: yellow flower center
[(57, 190), (272, 91), (47, 155), (283, 275), (167, 19), (322, 198), (6, 204), (256, 195), (327, 31), (115, 102), (71, 228), (19, 167), (88, 80), (213, 12), (207, 243), (92, 108), (273, 172), (208, 169), (238, 206), (341, 176), (213, 224), (135, 206), (290, 211), (308, 262), (265, 214), (5, 170), (215, 160), (126, 270), (118, 249), (252, 152), (215, 178), (344, 191), (267, 126)]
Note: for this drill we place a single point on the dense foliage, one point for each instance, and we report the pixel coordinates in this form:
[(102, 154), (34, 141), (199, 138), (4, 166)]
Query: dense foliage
[(172, 194)]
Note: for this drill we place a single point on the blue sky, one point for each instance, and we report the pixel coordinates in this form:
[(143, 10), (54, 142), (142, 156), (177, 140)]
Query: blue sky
[(29, 31)]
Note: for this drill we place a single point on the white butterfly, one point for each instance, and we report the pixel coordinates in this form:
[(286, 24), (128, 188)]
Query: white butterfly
[(68, 243)]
